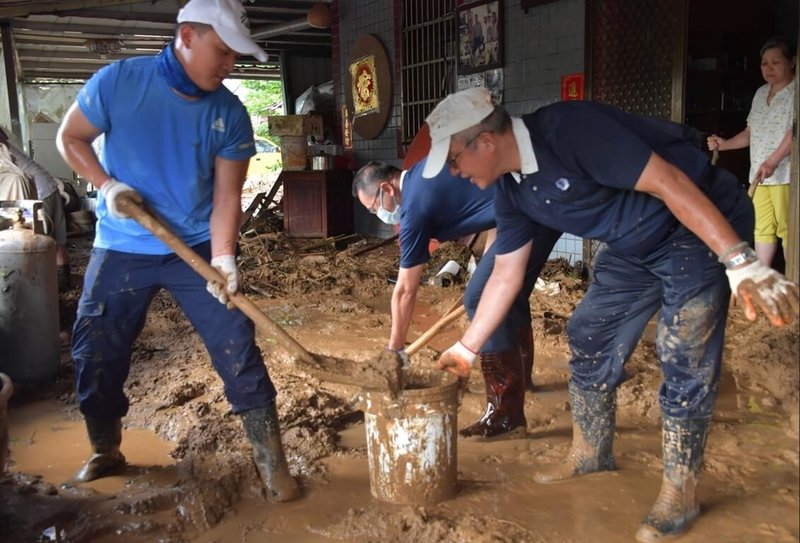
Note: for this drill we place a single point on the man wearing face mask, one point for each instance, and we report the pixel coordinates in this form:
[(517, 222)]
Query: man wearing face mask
[(446, 208)]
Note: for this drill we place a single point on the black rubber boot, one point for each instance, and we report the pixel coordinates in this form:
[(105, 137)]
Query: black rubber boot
[(683, 444), (63, 278), (593, 423), (526, 351), (505, 399), (105, 436), (263, 431)]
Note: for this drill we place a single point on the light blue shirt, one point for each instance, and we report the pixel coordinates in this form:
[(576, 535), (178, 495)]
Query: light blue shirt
[(164, 146)]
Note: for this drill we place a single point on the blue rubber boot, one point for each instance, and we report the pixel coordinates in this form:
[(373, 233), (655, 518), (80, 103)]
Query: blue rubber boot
[(593, 424), (683, 442)]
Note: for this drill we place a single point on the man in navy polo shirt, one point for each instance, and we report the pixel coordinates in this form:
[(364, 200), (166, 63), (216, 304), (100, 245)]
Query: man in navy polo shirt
[(673, 226), (444, 209), (178, 140)]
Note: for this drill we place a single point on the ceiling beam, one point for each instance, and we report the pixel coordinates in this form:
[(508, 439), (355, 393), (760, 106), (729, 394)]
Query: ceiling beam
[(22, 8)]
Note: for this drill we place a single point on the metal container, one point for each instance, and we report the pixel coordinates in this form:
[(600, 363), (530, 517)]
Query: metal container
[(411, 439), (28, 305), (322, 162), (6, 389)]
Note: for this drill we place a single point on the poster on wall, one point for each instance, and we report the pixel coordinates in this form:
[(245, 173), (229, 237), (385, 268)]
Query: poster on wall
[(365, 86), (480, 36)]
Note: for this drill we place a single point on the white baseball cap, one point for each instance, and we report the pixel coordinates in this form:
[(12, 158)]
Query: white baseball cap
[(229, 20), (455, 113)]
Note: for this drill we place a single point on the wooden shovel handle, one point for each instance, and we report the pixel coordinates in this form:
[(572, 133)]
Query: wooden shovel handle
[(433, 330), (751, 190), (198, 264)]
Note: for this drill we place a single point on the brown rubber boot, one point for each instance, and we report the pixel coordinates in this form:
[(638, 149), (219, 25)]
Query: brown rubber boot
[(263, 431), (106, 437), (505, 399), (526, 351), (593, 423), (683, 443)]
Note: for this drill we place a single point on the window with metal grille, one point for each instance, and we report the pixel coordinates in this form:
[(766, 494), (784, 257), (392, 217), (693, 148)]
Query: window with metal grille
[(427, 72)]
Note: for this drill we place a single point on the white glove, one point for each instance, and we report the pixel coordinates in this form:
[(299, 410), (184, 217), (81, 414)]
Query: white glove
[(757, 285), (458, 360), (403, 356), (226, 266), (113, 188)]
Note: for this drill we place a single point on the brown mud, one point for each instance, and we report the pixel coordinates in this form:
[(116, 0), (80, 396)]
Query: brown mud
[(191, 479)]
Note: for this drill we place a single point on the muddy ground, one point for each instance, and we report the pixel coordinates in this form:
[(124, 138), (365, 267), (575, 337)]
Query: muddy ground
[(191, 479)]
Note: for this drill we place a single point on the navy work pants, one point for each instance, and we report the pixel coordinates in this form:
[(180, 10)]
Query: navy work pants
[(683, 279), (506, 337), (118, 288)]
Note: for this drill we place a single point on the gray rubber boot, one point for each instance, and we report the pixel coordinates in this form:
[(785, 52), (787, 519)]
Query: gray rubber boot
[(105, 436), (683, 443), (263, 431), (593, 423)]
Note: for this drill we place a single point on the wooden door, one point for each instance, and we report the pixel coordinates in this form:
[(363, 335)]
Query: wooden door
[(635, 55)]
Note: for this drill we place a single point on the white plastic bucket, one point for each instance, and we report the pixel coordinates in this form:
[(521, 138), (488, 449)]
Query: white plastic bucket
[(411, 440)]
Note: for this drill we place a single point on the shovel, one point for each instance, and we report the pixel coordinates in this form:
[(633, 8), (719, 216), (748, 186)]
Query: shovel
[(377, 374), (452, 314)]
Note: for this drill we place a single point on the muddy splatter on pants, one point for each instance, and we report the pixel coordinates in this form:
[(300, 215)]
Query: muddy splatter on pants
[(506, 337), (683, 279), (118, 288)]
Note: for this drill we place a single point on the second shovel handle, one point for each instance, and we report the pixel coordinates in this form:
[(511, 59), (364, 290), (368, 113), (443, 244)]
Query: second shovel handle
[(433, 330)]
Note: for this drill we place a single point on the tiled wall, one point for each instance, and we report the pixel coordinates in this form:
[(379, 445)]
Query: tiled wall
[(540, 46), (374, 17)]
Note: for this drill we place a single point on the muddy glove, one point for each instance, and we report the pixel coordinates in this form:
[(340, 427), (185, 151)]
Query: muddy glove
[(402, 354), (226, 266), (113, 188), (458, 360), (757, 285)]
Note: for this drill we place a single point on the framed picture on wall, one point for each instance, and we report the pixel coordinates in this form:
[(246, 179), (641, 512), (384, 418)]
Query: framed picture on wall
[(480, 36)]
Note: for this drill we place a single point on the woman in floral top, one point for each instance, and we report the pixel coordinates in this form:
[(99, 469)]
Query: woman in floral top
[(768, 134)]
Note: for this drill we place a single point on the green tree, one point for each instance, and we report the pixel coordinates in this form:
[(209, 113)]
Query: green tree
[(263, 98)]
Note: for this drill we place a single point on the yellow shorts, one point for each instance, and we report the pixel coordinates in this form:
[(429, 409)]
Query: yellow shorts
[(771, 203)]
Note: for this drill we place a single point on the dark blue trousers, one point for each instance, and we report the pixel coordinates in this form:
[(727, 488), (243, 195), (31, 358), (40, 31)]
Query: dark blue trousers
[(506, 337), (118, 288), (683, 279)]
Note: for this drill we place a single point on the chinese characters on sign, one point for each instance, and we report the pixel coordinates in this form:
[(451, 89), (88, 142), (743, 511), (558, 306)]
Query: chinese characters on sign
[(572, 87), (365, 86), (347, 129)]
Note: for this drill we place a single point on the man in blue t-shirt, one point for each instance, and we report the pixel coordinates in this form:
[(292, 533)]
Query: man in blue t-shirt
[(442, 208), (673, 226), (179, 141)]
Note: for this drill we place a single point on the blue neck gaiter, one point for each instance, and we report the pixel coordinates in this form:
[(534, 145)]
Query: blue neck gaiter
[(171, 68)]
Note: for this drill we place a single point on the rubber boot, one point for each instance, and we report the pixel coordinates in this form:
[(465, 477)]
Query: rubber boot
[(263, 431), (593, 422), (63, 278), (505, 399), (105, 437), (683, 443), (526, 350)]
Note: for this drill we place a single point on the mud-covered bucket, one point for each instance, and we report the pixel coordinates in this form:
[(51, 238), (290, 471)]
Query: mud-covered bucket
[(411, 439)]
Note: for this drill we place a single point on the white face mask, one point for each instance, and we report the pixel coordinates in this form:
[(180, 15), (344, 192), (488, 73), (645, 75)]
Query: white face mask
[(392, 217)]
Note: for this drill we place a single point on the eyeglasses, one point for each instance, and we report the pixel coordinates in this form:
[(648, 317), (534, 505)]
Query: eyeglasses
[(372, 209), (454, 159)]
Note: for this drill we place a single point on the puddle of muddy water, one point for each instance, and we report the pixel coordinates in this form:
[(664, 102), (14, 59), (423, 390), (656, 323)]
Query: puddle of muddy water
[(45, 443)]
